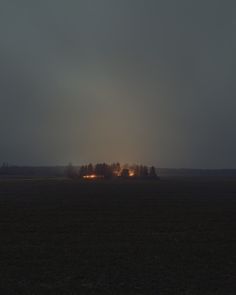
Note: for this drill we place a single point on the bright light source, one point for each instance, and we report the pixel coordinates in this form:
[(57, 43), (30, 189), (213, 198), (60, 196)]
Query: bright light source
[(90, 176)]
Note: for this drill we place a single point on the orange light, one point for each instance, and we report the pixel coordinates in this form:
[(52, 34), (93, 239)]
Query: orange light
[(90, 176)]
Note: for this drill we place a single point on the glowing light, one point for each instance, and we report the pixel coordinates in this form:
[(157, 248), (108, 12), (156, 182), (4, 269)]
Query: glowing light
[(90, 176), (117, 173), (131, 174)]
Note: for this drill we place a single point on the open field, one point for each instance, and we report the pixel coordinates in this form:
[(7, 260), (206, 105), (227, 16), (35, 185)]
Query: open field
[(173, 236)]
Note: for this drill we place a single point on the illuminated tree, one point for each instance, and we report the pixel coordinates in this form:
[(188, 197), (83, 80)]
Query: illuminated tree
[(115, 168), (125, 173), (90, 169)]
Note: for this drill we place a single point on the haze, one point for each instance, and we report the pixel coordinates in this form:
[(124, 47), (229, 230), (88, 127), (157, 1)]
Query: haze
[(130, 81)]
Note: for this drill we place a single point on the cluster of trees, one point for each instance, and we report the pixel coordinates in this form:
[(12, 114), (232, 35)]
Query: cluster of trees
[(100, 169), (140, 171), (103, 169), (111, 171)]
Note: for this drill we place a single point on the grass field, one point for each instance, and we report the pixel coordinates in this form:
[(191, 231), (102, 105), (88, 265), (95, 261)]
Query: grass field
[(173, 236)]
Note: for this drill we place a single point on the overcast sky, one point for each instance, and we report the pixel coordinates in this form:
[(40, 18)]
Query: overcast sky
[(118, 80)]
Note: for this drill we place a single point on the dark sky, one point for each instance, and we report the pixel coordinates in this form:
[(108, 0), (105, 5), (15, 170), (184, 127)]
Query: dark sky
[(118, 80)]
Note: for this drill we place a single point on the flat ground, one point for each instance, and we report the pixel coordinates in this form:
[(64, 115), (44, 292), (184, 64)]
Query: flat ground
[(173, 236)]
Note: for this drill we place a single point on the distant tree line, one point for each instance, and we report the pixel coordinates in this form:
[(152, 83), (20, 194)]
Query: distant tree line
[(36, 171), (4, 170), (108, 171)]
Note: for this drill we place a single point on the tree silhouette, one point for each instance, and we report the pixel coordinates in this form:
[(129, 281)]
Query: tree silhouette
[(125, 173), (152, 172), (143, 171), (82, 171), (103, 170), (71, 171), (115, 168), (90, 169)]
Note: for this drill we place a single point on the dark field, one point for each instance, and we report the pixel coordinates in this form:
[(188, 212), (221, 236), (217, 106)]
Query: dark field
[(174, 236)]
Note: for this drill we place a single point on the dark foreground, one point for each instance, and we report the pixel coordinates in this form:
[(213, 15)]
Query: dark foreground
[(169, 237)]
